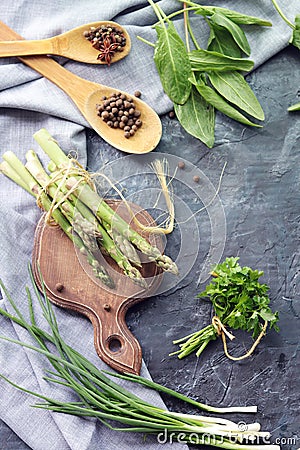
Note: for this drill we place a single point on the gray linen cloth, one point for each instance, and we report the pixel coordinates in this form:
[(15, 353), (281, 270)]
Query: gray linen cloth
[(29, 102)]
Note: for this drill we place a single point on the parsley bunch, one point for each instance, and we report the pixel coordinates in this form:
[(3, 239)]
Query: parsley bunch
[(239, 301)]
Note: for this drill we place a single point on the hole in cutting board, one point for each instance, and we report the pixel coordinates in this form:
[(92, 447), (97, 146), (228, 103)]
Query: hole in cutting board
[(114, 344)]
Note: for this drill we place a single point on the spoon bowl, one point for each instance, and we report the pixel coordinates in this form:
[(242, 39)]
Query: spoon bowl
[(87, 94), (72, 45), (144, 140)]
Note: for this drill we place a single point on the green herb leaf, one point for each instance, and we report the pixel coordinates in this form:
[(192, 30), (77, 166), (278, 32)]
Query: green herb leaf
[(296, 33), (221, 41), (197, 117), (236, 32), (267, 315), (295, 107), (235, 16), (234, 87), (204, 60), (219, 103), (172, 63)]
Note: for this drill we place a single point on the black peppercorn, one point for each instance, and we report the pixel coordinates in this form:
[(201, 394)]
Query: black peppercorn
[(119, 111)]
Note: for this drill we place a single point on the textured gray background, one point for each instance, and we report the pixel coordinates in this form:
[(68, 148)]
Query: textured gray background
[(260, 195)]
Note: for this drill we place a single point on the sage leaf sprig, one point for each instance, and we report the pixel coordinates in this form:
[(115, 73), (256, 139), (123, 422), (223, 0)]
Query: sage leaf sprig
[(213, 98), (236, 32), (206, 61), (236, 17), (197, 117), (101, 398), (189, 77), (228, 84), (174, 67), (221, 41), (239, 301)]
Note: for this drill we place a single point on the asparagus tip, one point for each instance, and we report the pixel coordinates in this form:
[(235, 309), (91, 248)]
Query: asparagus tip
[(166, 263), (134, 274)]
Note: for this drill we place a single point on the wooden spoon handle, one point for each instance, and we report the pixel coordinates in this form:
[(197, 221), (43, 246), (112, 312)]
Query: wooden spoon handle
[(8, 33), (77, 88), (23, 48)]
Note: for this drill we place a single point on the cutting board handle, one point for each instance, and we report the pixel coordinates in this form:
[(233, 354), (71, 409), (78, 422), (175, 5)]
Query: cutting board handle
[(114, 342)]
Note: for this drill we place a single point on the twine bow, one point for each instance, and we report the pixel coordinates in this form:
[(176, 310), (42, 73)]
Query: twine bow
[(73, 169), (221, 330)]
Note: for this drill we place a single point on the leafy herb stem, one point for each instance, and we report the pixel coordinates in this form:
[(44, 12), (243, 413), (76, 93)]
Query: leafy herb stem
[(177, 13), (278, 9), (158, 11), (197, 46), (186, 27), (188, 33), (140, 38)]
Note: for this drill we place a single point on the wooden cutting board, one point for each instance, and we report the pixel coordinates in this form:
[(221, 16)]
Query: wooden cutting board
[(70, 283)]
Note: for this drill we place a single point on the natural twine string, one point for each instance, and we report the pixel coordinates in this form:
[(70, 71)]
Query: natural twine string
[(75, 169), (161, 170), (221, 330), (60, 177)]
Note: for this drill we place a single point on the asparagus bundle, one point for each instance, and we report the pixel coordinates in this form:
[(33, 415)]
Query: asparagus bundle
[(71, 201)]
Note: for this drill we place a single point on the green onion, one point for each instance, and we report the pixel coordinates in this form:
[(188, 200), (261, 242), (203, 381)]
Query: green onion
[(102, 398)]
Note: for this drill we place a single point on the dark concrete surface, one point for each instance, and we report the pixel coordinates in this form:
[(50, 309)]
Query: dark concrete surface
[(260, 197)]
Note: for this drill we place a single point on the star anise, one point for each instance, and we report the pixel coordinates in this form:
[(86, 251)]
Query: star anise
[(107, 50)]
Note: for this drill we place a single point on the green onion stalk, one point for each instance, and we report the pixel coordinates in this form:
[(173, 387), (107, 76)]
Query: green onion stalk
[(82, 214), (114, 406)]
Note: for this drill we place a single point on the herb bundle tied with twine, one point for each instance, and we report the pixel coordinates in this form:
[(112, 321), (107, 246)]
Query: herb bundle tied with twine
[(240, 302)]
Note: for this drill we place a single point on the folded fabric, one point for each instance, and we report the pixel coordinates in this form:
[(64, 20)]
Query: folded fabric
[(137, 70), (29, 102)]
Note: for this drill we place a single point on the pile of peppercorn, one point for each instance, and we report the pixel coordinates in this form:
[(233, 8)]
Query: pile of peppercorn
[(119, 111), (107, 40)]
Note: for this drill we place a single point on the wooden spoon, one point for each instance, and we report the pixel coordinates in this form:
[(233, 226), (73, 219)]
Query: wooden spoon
[(87, 94), (71, 44), (70, 283)]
